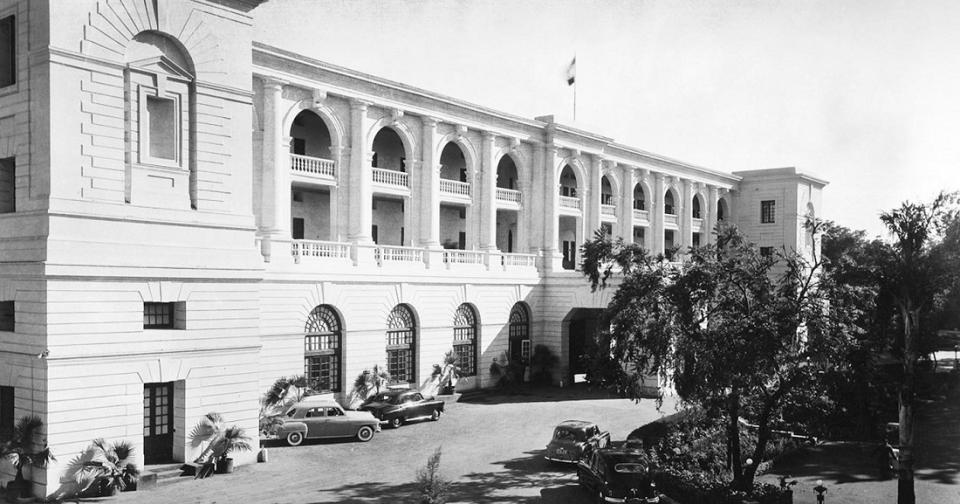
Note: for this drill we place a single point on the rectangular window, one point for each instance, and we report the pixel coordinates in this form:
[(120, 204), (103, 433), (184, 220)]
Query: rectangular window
[(766, 251), (164, 315), (162, 114), (297, 228), (767, 211), (8, 190), (7, 318), (7, 398), (8, 51)]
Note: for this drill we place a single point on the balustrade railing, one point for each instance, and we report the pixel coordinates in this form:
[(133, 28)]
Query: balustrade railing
[(308, 165), (387, 253), (608, 210), (316, 248), (670, 219), (391, 177), (455, 187), (697, 223), (462, 257), (509, 195), (521, 260), (641, 214), (568, 202)]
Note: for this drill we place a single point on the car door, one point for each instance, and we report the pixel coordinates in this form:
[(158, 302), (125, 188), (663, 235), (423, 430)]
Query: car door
[(587, 472), (338, 423), (316, 423), (415, 406)]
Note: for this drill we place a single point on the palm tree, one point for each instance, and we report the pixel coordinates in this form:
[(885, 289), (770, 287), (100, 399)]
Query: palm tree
[(370, 381), (221, 441), (22, 449), (105, 467), (208, 430), (284, 392)]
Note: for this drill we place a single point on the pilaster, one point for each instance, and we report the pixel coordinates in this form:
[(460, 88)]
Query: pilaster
[(488, 192), (552, 258), (361, 175), (430, 187), (656, 213), (686, 215), (592, 214), (625, 208), (711, 213)]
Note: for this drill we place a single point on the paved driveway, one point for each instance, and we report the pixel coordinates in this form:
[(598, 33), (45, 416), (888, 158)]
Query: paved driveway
[(492, 452)]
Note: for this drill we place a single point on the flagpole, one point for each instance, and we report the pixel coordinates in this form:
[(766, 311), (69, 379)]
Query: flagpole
[(574, 100)]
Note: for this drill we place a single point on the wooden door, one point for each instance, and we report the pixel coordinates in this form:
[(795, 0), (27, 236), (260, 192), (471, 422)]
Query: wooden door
[(157, 423)]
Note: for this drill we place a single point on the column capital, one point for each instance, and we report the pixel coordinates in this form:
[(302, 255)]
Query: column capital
[(659, 177), (644, 173), (429, 121), (273, 84), (358, 104), (488, 136)]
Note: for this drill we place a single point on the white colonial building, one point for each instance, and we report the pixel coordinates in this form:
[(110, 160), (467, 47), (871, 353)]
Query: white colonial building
[(188, 215)]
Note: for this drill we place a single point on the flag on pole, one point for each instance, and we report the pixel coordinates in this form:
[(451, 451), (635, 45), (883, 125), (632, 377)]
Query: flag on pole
[(572, 72)]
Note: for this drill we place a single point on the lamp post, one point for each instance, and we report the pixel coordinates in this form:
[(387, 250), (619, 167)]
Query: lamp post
[(820, 489)]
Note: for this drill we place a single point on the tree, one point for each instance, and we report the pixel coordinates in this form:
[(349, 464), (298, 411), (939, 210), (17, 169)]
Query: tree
[(738, 332), (370, 381), (921, 266)]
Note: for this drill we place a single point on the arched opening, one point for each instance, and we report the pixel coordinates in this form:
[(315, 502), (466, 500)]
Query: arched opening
[(669, 206), (606, 191), (311, 199), (322, 349), (389, 208), (453, 181), (310, 136), (723, 210), (159, 123), (465, 339), (639, 198), (568, 183), (696, 206), (569, 225), (402, 345), (388, 151), (519, 333), (508, 219)]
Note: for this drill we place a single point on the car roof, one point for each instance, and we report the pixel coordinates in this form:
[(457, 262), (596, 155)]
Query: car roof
[(575, 424), (396, 392), (314, 403), (622, 455)]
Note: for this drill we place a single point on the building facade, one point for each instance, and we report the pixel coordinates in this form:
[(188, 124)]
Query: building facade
[(187, 215)]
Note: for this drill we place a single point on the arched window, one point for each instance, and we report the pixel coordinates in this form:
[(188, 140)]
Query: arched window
[(465, 339), (606, 191), (322, 349), (668, 203), (519, 338), (721, 209), (696, 208), (401, 345), (639, 199)]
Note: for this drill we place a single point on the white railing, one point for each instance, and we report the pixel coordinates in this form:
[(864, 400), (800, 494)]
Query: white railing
[(608, 209), (312, 166), (455, 187), (697, 223), (509, 195), (386, 253), (462, 257), (670, 219), (391, 177), (522, 260), (641, 214), (568, 202), (314, 248)]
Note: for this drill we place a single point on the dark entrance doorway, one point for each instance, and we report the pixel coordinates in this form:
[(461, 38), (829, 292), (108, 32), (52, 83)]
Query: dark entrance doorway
[(157, 423), (581, 338)]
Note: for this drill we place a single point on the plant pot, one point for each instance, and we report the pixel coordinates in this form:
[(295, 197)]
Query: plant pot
[(262, 456), (225, 466), (447, 390), (17, 490)]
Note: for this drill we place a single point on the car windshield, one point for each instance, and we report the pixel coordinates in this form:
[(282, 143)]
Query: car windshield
[(562, 434), (629, 468), (384, 398)]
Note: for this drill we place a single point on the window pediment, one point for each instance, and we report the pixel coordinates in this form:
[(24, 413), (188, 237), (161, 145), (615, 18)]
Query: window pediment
[(161, 65)]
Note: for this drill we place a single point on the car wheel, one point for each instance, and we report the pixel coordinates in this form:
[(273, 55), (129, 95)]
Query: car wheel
[(294, 438), (396, 422), (435, 415), (365, 433)]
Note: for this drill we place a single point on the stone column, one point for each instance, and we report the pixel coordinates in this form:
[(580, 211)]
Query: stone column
[(430, 188), (595, 173), (276, 172), (626, 205), (656, 215), (361, 176), (488, 194), (552, 258), (686, 215), (534, 201), (338, 195)]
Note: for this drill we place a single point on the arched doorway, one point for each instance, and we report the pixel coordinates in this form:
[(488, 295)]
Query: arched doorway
[(322, 344), (519, 333), (465, 339), (402, 345)]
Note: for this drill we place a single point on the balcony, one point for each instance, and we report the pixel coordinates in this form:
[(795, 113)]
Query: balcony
[(608, 210), (509, 196), (458, 190), (509, 261), (697, 225), (569, 202), (462, 257), (641, 216), (391, 178), (309, 249), (670, 220), (395, 254), (311, 168)]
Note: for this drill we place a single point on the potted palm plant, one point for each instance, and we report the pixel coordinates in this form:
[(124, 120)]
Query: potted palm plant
[(370, 381), (221, 441), (232, 439), (104, 468), (25, 447)]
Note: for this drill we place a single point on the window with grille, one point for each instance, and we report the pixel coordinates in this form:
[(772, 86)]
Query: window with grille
[(766, 251), (465, 340), (519, 333), (7, 316), (668, 203), (401, 345), (322, 349), (767, 211), (696, 208), (8, 51), (163, 315), (8, 185), (7, 398)]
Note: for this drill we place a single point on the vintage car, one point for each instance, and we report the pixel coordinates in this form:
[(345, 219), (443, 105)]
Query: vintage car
[(325, 418), (617, 475), (572, 438), (396, 407)]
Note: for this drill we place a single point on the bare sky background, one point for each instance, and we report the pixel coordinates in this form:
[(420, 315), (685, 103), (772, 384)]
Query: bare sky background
[(865, 94)]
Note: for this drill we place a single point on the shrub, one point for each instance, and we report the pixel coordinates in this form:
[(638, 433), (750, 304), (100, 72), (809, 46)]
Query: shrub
[(542, 362), (431, 485)]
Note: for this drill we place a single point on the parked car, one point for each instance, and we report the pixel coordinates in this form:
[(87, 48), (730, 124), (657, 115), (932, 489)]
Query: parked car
[(617, 475), (571, 440), (396, 407), (325, 418)]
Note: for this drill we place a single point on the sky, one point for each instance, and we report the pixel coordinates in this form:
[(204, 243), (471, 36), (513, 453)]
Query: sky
[(865, 93)]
